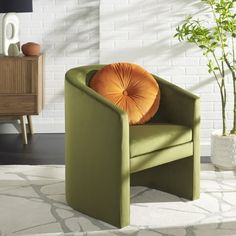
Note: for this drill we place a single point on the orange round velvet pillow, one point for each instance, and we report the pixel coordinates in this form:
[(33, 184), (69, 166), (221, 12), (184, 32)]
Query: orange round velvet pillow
[(131, 88)]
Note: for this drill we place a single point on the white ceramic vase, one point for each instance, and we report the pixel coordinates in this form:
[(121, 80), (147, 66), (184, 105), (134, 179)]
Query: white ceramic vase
[(223, 150), (10, 19)]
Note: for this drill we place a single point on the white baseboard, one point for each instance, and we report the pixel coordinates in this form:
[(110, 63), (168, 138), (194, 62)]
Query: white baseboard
[(59, 127)]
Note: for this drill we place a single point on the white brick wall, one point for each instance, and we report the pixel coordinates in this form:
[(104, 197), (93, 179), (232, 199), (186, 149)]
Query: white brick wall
[(130, 30), (68, 32), (142, 32)]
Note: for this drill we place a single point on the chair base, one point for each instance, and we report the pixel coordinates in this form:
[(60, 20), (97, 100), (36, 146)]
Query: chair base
[(177, 177)]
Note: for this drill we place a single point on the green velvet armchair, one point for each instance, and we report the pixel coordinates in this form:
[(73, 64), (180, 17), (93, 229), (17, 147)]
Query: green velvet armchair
[(105, 156)]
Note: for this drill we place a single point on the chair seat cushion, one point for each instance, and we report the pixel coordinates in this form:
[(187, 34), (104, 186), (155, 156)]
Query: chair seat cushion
[(152, 137), (131, 88)]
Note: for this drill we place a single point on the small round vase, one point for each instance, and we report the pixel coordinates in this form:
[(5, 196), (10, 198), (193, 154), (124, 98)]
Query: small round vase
[(31, 49), (13, 50)]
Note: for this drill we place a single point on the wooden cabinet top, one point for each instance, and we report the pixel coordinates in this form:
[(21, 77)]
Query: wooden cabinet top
[(20, 57)]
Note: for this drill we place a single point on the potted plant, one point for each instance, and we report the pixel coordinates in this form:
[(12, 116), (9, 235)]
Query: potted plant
[(216, 39)]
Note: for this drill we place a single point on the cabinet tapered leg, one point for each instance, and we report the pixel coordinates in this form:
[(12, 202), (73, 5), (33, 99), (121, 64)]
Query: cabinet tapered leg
[(23, 130), (30, 124)]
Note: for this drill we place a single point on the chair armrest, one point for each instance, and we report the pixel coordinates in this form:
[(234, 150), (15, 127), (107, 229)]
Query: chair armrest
[(181, 107), (96, 149), (177, 105)]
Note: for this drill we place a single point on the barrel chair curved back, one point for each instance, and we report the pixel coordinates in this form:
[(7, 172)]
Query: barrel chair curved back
[(104, 155)]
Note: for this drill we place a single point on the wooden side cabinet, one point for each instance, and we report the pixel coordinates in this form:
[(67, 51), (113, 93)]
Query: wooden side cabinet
[(21, 88)]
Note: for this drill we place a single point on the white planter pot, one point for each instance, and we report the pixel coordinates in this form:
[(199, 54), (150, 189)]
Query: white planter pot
[(223, 150)]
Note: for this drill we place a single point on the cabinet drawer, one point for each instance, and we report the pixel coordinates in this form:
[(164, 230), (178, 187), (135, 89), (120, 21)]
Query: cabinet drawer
[(18, 76), (18, 104)]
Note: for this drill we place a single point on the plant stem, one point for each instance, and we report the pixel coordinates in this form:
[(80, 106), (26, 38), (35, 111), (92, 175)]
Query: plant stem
[(223, 108), (223, 105), (224, 133), (223, 102), (233, 131), (221, 69), (232, 40)]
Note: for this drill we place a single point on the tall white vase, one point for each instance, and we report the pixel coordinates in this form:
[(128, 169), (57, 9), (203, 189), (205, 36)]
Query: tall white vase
[(223, 150), (10, 19)]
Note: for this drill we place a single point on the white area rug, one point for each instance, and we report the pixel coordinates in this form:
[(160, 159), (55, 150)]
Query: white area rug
[(32, 202)]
